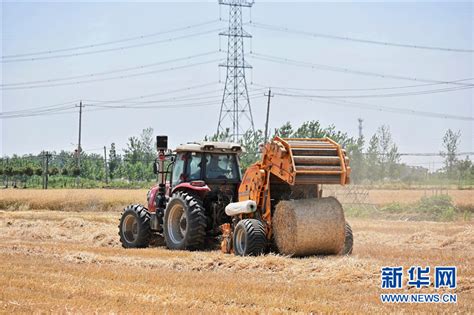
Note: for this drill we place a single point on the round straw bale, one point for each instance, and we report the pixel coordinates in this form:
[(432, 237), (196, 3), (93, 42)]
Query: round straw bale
[(309, 226)]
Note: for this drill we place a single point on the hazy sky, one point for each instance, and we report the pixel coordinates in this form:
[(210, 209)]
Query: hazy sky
[(36, 27)]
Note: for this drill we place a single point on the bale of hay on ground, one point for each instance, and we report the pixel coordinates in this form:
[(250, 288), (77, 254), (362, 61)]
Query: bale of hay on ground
[(309, 227)]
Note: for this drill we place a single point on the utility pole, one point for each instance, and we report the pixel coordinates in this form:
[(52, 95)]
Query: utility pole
[(360, 127), (8, 164), (46, 156), (268, 113), (44, 167), (79, 149), (105, 165)]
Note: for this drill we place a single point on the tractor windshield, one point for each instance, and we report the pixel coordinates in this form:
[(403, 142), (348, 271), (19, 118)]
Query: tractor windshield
[(222, 166), (191, 166)]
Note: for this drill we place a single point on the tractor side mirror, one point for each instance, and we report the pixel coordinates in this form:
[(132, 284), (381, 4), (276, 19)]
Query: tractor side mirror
[(155, 167)]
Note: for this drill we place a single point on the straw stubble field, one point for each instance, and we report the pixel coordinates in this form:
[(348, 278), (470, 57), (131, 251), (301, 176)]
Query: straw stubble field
[(70, 261)]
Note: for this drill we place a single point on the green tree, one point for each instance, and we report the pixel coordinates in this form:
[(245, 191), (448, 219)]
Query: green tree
[(251, 140), (54, 171), (382, 155), (39, 171), (357, 160), (148, 142), (139, 155), (114, 161), (393, 160), (284, 131), (372, 159), (464, 166), (134, 150), (387, 150), (309, 129), (29, 171), (451, 141)]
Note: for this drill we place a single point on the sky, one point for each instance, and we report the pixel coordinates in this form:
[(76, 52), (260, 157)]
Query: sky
[(195, 80)]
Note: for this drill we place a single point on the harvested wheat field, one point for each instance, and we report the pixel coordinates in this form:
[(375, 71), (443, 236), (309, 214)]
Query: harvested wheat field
[(383, 197), (111, 199), (71, 261)]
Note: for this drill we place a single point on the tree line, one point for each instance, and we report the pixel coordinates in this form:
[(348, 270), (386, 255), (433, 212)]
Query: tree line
[(373, 161)]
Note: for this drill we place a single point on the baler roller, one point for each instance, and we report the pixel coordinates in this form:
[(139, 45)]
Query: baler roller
[(318, 168), (307, 143), (318, 161), (311, 179), (314, 151)]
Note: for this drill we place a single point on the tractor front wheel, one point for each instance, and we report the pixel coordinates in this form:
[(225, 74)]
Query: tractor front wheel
[(184, 224), (134, 227), (249, 238)]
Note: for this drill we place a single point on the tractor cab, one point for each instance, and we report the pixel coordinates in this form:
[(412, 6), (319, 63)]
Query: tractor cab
[(206, 163)]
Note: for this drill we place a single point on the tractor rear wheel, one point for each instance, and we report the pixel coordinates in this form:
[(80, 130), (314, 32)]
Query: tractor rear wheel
[(184, 224), (249, 238), (134, 227), (348, 241)]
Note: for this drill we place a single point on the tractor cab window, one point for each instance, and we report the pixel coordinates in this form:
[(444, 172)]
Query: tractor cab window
[(178, 169), (221, 166), (187, 167), (194, 166)]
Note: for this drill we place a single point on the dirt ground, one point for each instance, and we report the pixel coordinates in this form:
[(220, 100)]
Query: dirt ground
[(58, 261)]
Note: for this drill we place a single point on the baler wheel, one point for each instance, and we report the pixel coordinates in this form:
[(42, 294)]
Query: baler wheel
[(249, 238), (134, 227), (348, 241)]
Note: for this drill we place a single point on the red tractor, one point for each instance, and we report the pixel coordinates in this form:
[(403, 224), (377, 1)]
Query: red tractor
[(186, 209)]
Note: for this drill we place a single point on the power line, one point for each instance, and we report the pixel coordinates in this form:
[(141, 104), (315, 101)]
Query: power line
[(379, 107), (354, 39), (48, 112), (170, 106), (180, 98), (114, 77), (143, 66), (434, 154), (364, 89), (138, 105), (348, 70), (26, 110), (183, 89), (52, 108), (391, 94), (139, 37), (113, 49)]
